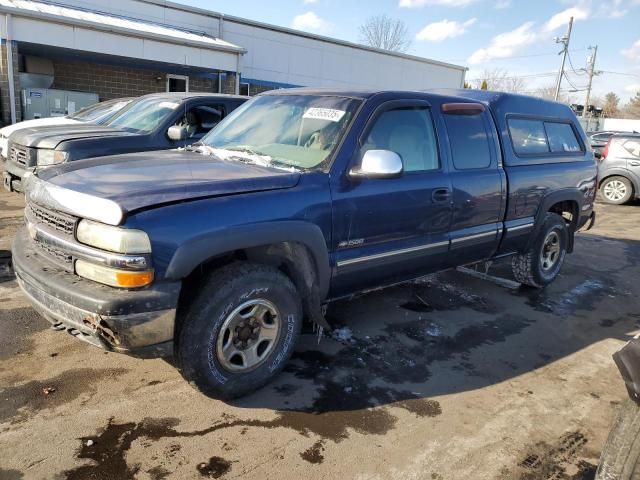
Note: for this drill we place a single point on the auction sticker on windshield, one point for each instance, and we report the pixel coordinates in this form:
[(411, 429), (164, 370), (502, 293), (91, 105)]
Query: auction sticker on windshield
[(329, 114)]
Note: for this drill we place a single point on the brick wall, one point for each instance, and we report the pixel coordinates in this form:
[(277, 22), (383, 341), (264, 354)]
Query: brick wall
[(110, 81), (5, 102)]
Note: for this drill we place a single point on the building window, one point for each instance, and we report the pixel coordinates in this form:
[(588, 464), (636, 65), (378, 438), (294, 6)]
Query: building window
[(244, 89), (177, 83)]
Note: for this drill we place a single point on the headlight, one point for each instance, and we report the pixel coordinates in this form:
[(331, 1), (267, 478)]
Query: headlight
[(51, 157), (113, 277), (113, 239)]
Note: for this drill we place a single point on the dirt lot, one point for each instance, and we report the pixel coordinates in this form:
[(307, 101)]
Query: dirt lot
[(451, 377)]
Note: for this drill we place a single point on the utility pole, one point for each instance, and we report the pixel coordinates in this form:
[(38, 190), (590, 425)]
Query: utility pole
[(565, 50), (591, 71)]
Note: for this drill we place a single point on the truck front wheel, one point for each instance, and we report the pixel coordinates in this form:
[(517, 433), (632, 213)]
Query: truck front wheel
[(541, 264), (240, 330)]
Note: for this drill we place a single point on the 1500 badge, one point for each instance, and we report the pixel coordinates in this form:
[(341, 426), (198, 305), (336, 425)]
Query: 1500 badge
[(351, 243)]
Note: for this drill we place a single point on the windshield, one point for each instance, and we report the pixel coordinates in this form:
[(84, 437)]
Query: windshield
[(99, 112), (299, 131), (144, 116)]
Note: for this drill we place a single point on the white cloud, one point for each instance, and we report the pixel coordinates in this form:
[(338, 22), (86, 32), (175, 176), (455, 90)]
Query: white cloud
[(309, 21), (562, 19), (633, 88), (441, 3), (438, 31), (632, 53), (306, 2), (505, 44), (501, 4), (615, 8)]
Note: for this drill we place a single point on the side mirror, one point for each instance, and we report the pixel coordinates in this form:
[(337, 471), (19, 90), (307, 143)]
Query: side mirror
[(177, 133), (378, 164)]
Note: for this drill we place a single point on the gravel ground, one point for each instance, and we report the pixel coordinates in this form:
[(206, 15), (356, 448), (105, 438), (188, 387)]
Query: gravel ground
[(450, 377)]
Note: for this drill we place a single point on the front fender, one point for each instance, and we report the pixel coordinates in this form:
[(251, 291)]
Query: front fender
[(200, 249)]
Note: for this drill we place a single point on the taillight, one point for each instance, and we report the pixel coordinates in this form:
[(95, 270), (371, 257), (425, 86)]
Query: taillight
[(605, 152)]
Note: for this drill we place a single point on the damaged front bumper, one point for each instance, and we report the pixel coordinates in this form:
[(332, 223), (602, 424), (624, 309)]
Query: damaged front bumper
[(628, 362), (135, 322)]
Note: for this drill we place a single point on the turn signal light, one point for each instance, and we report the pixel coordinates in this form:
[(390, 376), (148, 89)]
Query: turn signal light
[(113, 277)]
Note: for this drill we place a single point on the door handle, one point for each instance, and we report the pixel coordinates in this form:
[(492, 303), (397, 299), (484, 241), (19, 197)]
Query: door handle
[(441, 195), (633, 163)]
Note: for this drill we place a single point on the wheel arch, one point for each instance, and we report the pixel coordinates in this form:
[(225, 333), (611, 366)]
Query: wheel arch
[(296, 248), (560, 202)]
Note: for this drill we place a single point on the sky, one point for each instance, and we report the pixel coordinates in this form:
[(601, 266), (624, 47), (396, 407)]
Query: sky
[(516, 36)]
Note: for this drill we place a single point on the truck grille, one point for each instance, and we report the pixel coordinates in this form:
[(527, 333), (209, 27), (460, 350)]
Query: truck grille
[(61, 258), (19, 154), (57, 220)]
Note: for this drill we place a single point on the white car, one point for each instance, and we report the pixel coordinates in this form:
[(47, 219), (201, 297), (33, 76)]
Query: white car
[(97, 113)]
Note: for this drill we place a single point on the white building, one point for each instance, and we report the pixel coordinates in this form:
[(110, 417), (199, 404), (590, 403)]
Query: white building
[(132, 47)]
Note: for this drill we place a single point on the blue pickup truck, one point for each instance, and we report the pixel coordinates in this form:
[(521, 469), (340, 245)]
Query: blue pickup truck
[(216, 253)]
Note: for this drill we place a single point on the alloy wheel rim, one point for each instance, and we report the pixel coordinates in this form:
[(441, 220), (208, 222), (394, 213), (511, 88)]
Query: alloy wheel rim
[(550, 251), (615, 190), (248, 335)]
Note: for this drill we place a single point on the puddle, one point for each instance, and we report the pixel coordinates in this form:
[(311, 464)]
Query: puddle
[(313, 454), (215, 468), (583, 296)]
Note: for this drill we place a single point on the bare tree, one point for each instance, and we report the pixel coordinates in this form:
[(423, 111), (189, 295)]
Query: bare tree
[(500, 80), (387, 33), (548, 93)]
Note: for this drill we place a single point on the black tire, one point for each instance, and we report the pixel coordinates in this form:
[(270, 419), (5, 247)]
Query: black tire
[(226, 291), (616, 190), (621, 453), (528, 267)]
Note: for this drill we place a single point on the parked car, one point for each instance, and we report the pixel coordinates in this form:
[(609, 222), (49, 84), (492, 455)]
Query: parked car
[(98, 113), (620, 458), (214, 253), (152, 122), (599, 140), (619, 169)]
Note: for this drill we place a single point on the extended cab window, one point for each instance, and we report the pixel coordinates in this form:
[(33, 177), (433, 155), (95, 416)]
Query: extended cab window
[(409, 132), (469, 140), (561, 137), (528, 136)]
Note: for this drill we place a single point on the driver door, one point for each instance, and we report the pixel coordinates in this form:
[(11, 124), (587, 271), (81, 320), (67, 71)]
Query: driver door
[(388, 230)]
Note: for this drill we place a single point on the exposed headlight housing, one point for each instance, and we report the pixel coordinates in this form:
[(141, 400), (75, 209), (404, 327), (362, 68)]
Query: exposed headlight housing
[(48, 157), (112, 276), (113, 239)]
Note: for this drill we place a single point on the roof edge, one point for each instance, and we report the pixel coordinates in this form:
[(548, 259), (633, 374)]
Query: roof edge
[(313, 36), (17, 12)]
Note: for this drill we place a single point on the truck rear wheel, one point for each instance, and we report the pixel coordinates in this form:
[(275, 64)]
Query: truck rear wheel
[(541, 264), (240, 330)]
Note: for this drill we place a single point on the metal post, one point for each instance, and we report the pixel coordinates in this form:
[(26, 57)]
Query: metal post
[(237, 88), (9, 46), (565, 42), (591, 72)]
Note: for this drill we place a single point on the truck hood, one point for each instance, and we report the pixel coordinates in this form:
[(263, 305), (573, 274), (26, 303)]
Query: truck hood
[(107, 188), (52, 136), (37, 123)]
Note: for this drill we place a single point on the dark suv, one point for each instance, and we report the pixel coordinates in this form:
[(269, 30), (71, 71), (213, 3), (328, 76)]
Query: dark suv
[(619, 169)]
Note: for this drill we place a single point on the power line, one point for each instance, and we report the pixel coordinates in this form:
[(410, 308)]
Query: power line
[(573, 68)]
